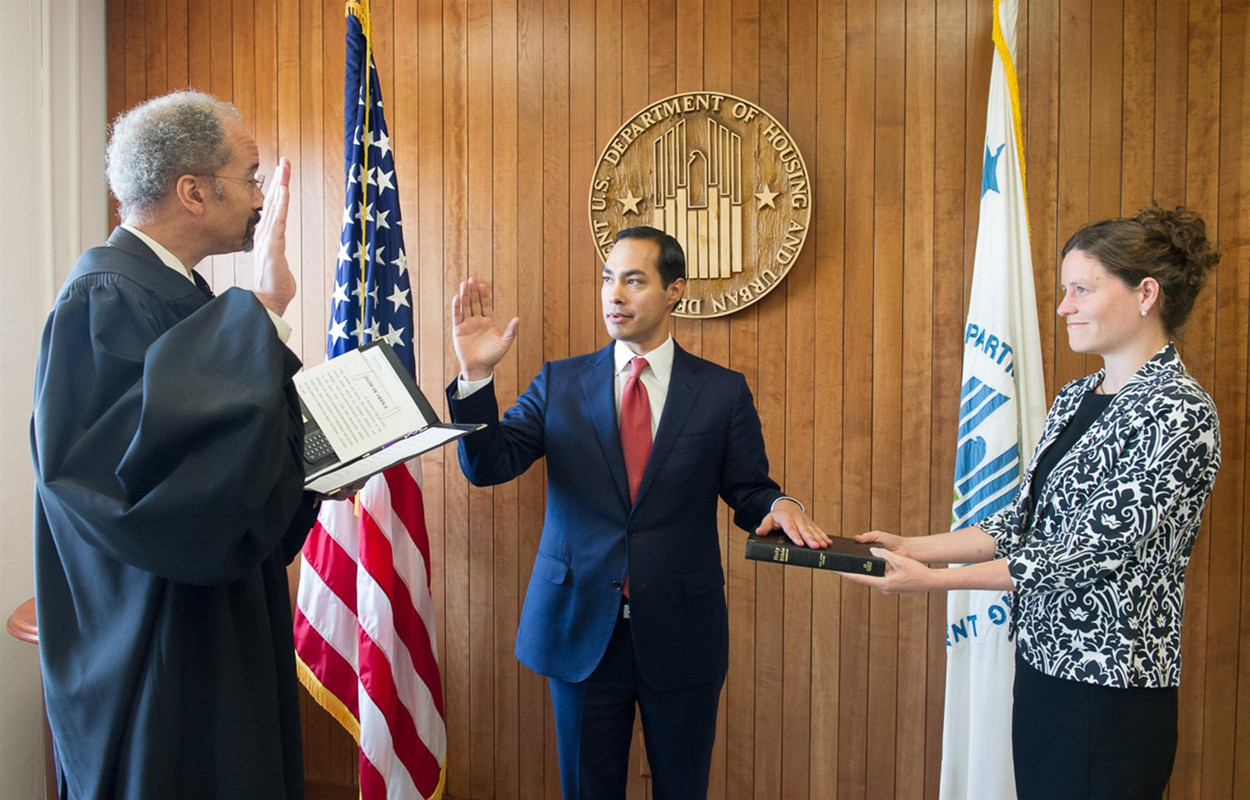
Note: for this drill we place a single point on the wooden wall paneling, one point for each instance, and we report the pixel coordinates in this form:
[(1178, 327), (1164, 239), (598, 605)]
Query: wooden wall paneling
[(556, 333), (264, 57), (131, 43), (244, 84), (1074, 152), (134, 54), (915, 631), (1233, 280), (689, 45), (742, 590), (281, 53), (155, 60), (309, 164), (1106, 110), (1038, 81), (1202, 166), (287, 121), (556, 116), (827, 165), (332, 48), (586, 331), (580, 269), (304, 238), (1216, 352), (950, 151), (691, 48), (199, 47), (1139, 115), (403, 113), (979, 55), (768, 352), (710, 339), (177, 44), (504, 214), (717, 44), (327, 753), (887, 380), (753, 594), (661, 48), (324, 749), (430, 277), (1200, 349), (858, 368), (219, 270), (687, 41), (802, 326), (484, 527), (660, 45), (531, 226), (114, 79), (1171, 33), (461, 526), (1212, 766)]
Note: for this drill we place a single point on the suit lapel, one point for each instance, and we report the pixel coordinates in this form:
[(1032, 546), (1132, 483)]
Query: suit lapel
[(599, 391), (683, 389)]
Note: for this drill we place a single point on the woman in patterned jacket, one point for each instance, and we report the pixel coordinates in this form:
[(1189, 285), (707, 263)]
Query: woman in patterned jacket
[(1094, 546)]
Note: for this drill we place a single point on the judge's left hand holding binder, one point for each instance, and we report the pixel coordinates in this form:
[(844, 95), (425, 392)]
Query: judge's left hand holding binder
[(364, 413)]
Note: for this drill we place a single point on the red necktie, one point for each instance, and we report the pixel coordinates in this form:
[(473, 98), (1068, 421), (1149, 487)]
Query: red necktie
[(635, 426), (635, 431)]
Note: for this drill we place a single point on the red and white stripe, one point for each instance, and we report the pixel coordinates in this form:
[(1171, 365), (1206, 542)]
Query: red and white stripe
[(365, 635)]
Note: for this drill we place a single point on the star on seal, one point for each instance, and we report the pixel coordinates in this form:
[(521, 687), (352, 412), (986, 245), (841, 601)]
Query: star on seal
[(766, 197), (629, 203)]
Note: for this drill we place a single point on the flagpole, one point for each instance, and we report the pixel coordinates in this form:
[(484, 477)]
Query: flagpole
[(1001, 412)]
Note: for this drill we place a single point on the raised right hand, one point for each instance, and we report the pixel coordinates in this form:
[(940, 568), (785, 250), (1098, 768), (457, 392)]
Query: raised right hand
[(478, 342), (272, 280)]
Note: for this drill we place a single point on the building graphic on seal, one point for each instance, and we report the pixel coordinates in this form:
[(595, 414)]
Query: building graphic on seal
[(697, 198)]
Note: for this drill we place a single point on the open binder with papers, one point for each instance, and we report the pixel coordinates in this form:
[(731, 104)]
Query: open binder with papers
[(364, 413)]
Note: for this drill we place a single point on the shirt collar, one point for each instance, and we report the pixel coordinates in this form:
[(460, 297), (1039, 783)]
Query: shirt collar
[(167, 258), (660, 359)]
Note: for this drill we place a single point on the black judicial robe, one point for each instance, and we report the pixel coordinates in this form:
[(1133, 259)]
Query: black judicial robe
[(169, 500)]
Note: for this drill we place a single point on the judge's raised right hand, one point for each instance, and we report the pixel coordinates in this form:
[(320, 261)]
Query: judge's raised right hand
[(478, 341), (272, 280)]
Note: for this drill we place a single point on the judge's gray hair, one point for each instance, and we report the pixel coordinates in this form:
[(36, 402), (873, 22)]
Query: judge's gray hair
[(159, 140)]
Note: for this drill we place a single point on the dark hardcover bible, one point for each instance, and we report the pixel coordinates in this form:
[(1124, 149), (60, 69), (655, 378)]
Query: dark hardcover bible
[(842, 555)]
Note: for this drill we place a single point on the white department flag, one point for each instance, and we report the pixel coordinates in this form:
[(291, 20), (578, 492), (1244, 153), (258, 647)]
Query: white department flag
[(1002, 408)]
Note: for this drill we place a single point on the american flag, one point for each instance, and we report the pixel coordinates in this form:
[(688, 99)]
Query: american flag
[(364, 622)]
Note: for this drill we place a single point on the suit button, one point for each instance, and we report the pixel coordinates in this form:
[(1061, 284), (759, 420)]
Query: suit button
[(617, 585), (632, 531)]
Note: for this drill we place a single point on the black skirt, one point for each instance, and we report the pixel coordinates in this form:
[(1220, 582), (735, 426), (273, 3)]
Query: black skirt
[(1080, 741)]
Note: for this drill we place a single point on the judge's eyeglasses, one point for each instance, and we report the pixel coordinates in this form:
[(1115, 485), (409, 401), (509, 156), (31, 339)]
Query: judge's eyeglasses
[(258, 182)]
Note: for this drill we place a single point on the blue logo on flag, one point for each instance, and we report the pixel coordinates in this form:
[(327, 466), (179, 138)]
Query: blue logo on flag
[(984, 481)]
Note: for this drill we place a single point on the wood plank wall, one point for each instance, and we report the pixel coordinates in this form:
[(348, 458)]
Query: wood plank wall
[(498, 110)]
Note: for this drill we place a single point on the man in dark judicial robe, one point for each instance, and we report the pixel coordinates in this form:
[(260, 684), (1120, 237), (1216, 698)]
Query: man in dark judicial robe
[(167, 447)]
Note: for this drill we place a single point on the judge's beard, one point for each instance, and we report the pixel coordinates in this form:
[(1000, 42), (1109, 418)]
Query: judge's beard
[(249, 235)]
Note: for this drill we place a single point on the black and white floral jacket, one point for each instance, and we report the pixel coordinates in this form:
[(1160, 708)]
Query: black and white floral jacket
[(1100, 571)]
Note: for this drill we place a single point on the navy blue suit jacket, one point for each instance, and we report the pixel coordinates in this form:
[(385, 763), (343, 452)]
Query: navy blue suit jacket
[(708, 444)]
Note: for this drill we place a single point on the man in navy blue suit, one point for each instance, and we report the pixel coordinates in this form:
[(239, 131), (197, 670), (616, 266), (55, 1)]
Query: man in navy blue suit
[(626, 602)]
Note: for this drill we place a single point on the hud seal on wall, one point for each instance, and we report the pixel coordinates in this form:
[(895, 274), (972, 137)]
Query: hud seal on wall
[(724, 178)]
